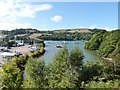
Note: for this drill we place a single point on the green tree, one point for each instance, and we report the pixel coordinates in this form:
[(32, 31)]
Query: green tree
[(11, 76), (58, 68), (107, 43), (75, 58), (35, 76), (76, 61), (63, 72), (95, 41)]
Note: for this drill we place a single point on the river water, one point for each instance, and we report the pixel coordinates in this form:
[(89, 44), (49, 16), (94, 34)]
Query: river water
[(51, 50)]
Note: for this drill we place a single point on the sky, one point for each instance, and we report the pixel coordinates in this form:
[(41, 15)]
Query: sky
[(58, 15)]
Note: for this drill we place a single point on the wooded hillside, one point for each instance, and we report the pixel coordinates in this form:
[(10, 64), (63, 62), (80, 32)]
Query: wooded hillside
[(107, 43)]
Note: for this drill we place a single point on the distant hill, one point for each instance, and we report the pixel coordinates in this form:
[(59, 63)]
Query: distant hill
[(35, 35), (74, 30), (68, 34), (61, 34), (79, 30), (31, 31), (20, 31)]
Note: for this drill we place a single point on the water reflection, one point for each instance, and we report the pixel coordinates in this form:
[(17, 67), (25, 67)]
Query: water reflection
[(51, 50)]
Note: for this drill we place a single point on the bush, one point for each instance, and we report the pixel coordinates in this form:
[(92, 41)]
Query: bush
[(11, 76)]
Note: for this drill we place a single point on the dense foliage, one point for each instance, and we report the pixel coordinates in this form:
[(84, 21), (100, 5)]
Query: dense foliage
[(66, 71), (66, 36), (95, 41), (11, 76), (101, 74), (107, 43), (35, 75), (60, 73), (111, 45), (20, 31)]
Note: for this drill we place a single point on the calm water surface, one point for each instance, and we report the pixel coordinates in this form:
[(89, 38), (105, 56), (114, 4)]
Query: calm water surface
[(51, 50)]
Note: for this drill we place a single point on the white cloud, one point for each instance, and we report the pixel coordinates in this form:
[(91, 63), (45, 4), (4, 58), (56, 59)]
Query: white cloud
[(56, 18), (9, 9), (42, 7), (11, 26)]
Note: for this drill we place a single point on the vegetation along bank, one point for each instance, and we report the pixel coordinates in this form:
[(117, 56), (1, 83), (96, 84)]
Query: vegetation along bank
[(106, 43)]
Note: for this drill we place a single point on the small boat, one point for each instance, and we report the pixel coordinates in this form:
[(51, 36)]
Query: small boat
[(59, 46)]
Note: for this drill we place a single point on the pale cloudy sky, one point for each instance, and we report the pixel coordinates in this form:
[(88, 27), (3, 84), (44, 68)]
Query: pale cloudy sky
[(57, 15)]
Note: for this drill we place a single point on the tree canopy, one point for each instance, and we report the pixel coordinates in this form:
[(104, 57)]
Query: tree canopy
[(107, 43)]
